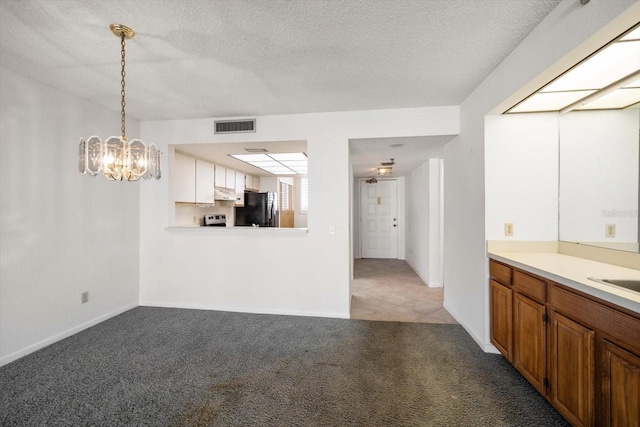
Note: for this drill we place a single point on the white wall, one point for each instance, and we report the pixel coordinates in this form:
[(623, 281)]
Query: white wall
[(599, 180), (436, 226), (246, 272), (521, 176), (60, 233), (423, 213), (465, 260)]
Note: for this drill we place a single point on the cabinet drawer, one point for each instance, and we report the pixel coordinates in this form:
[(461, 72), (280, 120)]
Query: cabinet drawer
[(500, 273), (530, 286)]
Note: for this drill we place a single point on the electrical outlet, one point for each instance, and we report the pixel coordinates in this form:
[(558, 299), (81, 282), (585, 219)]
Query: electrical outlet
[(85, 297), (332, 230), (610, 230), (508, 229)]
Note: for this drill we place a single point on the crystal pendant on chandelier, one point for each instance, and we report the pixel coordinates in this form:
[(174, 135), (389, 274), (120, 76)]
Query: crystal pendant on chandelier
[(117, 158)]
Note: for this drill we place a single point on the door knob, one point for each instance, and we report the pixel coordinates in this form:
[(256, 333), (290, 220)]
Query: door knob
[(395, 225)]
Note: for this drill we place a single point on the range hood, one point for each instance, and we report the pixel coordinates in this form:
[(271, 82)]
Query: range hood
[(225, 194)]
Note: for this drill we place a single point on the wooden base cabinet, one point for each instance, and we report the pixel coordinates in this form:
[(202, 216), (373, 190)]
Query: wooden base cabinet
[(572, 370), (529, 349), (620, 387), (501, 319), (584, 357)]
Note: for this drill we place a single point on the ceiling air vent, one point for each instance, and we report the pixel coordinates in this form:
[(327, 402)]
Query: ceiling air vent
[(235, 126)]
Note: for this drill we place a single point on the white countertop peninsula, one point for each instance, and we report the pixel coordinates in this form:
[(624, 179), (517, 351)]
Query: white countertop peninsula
[(574, 272), (244, 231)]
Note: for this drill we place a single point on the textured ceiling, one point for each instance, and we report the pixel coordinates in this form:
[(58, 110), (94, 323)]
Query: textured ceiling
[(229, 58)]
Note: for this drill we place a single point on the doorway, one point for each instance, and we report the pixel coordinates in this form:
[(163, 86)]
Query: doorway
[(379, 218)]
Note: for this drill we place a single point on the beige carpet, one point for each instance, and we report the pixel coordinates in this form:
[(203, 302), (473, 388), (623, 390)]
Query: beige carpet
[(389, 290)]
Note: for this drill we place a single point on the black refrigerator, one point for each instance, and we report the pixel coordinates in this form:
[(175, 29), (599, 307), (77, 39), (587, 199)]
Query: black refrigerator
[(260, 209)]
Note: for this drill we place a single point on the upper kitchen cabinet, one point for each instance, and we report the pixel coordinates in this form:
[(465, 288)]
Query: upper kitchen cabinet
[(230, 182), (220, 176), (252, 183), (239, 188), (225, 178), (183, 178), (193, 180), (205, 179)]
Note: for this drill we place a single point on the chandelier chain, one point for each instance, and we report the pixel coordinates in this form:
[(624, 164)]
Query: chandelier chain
[(122, 73)]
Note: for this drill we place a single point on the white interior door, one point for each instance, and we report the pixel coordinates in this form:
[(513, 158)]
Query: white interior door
[(379, 219)]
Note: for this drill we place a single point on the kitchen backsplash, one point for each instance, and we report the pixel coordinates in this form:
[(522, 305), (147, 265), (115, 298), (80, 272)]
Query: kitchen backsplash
[(185, 213)]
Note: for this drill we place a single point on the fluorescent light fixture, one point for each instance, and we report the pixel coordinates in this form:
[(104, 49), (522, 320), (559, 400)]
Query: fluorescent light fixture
[(289, 156), (593, 83), (552, 101), (635, 83), (276, 163), (631, 35), (613, 100), (252, 157), (607, 66), (267, 164)]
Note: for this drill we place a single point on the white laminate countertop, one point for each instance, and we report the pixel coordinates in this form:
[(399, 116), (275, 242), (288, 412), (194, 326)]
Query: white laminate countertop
[(574, 272)]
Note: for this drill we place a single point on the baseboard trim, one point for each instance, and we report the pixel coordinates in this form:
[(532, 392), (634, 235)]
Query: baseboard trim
[(335, 315), (426, 282), (486, 347), (59, 337)]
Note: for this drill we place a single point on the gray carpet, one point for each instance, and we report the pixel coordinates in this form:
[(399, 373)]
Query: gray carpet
[(173, 367)]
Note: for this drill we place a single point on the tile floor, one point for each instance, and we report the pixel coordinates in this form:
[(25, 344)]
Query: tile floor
[(389, 289)]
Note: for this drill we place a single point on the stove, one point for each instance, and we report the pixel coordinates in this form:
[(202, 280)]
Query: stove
[(217, 220)]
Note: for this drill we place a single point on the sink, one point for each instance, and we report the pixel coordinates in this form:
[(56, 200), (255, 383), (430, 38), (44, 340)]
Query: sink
[(631, 284)]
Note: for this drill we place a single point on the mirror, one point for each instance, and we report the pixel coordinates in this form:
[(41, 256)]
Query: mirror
[(599, 178)]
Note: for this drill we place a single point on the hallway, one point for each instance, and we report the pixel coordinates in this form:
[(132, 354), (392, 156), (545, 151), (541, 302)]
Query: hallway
[(389, 290)]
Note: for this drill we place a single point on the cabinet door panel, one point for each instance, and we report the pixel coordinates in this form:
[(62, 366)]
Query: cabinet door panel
[(220, 176), (501, 318), (183, 177), (529, 340), (572, 353), (230, 179), (620, 387), (204, 182)]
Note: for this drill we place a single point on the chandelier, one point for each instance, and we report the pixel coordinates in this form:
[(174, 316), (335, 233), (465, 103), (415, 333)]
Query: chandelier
[(117, 158)]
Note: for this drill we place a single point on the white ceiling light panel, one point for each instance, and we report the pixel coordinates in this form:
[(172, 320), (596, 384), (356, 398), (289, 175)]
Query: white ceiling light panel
[(622, 97), (552, 101), (277, 163), (602, 69), (598, 82)]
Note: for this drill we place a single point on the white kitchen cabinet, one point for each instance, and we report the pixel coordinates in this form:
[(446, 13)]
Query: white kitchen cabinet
[(220, 176), (183, 178), (239, 183), (230, 180), (205, 181), (239, 188), (252, 183)]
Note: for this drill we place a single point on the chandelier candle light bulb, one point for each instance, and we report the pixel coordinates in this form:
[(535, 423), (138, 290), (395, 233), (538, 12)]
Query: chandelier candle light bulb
[(117, 158)]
